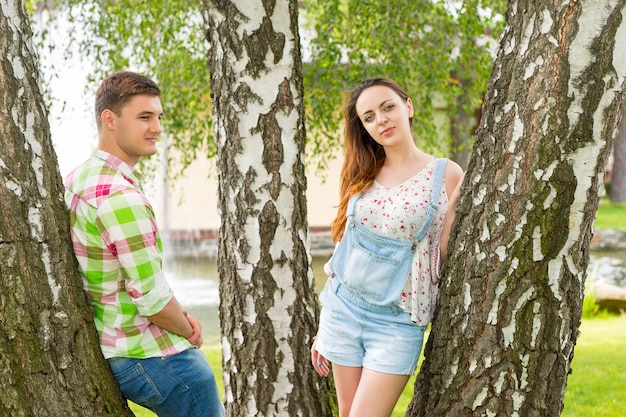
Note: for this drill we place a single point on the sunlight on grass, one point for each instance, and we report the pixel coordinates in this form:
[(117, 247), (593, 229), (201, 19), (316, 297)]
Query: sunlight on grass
[(595, 388), (610, 215)]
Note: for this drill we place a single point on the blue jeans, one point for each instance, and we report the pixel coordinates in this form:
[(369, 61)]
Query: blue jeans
[(181, 385)]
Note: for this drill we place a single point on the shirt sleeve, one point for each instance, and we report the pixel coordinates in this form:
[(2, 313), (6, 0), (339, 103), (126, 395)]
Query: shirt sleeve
[(128, 227)]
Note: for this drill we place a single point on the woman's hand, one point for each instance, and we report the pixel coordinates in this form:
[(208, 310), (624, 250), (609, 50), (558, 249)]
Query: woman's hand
[(320, 363)]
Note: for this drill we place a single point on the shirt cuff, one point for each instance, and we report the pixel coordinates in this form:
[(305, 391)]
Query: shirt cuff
[(156, 299)]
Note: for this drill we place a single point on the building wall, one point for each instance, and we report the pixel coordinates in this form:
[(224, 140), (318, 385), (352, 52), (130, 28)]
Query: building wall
[(190, 207), (192, 204)]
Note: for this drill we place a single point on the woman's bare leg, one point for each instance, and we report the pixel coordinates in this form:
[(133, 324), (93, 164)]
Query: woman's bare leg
[(346, 383), (377, 394)]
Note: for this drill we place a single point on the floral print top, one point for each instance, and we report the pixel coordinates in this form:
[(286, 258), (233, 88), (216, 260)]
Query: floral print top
[(398, 212)]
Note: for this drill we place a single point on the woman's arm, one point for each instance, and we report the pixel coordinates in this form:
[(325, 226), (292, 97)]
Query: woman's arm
[(453, 179)]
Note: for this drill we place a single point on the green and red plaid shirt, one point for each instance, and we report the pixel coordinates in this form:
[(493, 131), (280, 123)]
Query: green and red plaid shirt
[(118, 248)]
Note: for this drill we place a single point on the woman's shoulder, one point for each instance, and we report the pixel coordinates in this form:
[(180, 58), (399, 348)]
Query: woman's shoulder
[(453, 176), (453, 170)]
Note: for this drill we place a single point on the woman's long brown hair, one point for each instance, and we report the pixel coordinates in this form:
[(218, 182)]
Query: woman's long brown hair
[(363, 156)]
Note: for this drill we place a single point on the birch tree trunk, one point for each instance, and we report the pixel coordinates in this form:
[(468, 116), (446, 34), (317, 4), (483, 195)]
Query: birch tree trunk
[(510, 303), (268, 304), (50, 359)]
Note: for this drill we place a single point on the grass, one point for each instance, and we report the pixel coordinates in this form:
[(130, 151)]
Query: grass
[(610, 215), (595, 388)]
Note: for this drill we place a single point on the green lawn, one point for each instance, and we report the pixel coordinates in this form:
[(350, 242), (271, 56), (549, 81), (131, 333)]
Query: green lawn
[(595, 388), (610, 215)]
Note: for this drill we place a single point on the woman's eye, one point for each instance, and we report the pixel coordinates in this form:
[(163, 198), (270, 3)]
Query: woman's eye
[(367, 119), (389, 107)]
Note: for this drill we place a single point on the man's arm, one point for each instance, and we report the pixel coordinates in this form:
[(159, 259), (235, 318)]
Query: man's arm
[(176, 320), (126, 222)]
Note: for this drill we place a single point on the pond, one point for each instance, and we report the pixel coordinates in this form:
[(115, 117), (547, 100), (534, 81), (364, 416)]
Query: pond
[(195, 283)]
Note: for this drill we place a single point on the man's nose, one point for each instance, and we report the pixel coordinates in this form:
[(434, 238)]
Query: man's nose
[(155, 126)]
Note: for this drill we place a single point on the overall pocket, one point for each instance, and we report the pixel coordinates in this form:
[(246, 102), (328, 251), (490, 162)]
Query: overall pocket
[(375, 267)]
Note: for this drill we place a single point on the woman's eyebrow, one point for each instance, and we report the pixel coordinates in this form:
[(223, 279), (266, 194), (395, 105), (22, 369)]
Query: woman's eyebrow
[(380, 105)]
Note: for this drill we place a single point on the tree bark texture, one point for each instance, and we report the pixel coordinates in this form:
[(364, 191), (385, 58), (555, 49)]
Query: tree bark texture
[(268, 304), (511, 296), (617, 191), (50, 359)]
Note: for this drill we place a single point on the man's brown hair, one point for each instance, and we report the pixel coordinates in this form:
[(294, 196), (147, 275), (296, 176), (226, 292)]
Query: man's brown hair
[(119, 88)]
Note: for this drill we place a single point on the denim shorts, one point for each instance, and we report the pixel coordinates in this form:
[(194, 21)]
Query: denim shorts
[(177, 385), (351, 333)]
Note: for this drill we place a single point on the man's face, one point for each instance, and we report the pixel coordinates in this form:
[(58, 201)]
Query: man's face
[(136, 129)]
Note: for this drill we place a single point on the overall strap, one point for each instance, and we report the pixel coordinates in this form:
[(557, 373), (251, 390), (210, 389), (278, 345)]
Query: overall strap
[(433, 205), (352, 205)]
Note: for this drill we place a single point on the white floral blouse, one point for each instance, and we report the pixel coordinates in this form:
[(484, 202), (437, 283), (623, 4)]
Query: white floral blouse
[(398, 212)]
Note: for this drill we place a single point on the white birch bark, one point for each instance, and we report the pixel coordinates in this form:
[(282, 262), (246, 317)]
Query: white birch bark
[(268, 309), (511, 298)]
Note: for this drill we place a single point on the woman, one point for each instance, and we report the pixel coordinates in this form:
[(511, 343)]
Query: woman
[(392, 227)]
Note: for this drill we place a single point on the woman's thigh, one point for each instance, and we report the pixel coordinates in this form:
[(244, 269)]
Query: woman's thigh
[(377, 394), (346, 380)]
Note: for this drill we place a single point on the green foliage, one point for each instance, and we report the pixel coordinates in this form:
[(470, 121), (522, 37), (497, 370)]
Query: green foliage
[(590, 308), (435, 50), (589, 302), (431, 48), (162, 39)]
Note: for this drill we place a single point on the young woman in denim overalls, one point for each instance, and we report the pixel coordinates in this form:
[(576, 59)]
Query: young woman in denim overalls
[(397, 205)]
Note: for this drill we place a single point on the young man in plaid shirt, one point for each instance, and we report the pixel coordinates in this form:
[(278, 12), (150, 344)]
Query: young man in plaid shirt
[(149, 341)]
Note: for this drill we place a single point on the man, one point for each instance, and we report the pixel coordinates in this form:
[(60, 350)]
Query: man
[(148, 340)]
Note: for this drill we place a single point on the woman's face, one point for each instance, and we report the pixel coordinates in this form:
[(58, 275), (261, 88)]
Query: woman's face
[(385, 115)]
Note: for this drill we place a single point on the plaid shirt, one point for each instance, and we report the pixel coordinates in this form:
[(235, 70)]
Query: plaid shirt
[(118, 248)]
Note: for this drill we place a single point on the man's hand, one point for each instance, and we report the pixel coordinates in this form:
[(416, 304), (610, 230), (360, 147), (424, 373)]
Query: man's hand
[(196, 337)]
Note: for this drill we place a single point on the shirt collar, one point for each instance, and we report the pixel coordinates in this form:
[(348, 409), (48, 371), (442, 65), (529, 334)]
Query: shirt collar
[(118, 164)]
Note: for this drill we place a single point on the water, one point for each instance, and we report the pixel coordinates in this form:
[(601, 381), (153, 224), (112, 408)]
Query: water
[(196, 287), (195, 283), (609, 266)]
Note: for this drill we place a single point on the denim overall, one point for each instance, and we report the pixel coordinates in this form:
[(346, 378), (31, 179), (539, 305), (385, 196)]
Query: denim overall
[(371, 270)]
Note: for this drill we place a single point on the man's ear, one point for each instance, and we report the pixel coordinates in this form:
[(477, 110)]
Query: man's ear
[(108, 119)]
